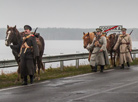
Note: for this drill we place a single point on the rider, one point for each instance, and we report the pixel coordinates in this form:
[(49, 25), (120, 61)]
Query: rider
[(124, 44), (99, 55)]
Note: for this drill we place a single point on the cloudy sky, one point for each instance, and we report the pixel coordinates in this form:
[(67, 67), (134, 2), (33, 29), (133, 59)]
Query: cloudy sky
[(69, 13)]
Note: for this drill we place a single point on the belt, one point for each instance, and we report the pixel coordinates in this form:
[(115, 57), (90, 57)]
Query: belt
[(27, 47), (97, 46), (125, 43)]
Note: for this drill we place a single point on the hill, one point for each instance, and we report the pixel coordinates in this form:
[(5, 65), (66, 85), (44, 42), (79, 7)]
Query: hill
[(65, 33)]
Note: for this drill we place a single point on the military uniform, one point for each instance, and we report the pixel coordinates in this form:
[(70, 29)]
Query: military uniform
[(97, 57), (124, 44), (28, 52)]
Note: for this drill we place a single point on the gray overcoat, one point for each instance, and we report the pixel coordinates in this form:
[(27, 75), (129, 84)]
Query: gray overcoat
[(99, 58)]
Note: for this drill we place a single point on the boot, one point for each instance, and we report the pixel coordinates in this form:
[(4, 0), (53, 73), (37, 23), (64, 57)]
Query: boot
[(25, 81), (122, 67), (95, 69), (128, 64), (102, 68), (31, 79)]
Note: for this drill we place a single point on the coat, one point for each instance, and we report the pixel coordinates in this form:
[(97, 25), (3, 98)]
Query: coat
[(99, 58), (27, 64), (124, 44)]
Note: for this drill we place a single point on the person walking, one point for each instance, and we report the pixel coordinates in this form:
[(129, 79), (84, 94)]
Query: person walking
[(99, 56), (124, 44)]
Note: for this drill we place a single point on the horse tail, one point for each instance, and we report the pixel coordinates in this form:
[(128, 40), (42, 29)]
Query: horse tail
[(41, 52)]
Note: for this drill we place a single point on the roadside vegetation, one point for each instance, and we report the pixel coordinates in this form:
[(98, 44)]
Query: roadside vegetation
[(9, 80)]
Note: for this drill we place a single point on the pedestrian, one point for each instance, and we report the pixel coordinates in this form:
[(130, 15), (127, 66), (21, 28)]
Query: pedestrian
[(124, 44), (28, 52), (99, 56)]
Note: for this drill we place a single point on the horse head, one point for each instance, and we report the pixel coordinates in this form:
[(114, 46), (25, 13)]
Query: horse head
[(86, 39), (11, 35)]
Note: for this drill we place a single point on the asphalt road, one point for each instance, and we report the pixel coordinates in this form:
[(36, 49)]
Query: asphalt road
[(114, 85)]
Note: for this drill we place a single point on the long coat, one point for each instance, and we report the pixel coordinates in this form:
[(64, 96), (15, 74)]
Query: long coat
[(125, 44), (99, 58), (27, 64)]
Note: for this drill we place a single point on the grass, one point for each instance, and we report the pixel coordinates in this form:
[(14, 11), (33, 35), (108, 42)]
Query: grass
[(8, 80)]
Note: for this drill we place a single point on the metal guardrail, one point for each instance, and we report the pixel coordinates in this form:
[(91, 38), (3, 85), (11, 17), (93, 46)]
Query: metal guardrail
[(57, 58)]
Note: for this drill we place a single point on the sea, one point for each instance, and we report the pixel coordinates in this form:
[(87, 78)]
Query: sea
[(52, 47)]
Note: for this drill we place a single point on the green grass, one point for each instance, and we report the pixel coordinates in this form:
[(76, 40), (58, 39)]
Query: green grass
[(8, 80)]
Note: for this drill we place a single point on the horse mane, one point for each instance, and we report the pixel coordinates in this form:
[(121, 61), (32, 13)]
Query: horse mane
[(18, 34)]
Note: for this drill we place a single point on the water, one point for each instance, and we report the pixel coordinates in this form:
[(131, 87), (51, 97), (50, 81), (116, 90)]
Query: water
[(52, 47)]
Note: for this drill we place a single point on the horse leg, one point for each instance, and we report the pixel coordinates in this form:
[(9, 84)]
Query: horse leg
[(92, 68), (35, 69), (39, 66), (118, 59), (43, 68), (114, 59), (38, 73), (111, 60), (19, 78), (89, 56), (18, 72)]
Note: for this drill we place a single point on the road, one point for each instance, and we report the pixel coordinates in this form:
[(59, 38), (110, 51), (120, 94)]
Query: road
[(115, 85)]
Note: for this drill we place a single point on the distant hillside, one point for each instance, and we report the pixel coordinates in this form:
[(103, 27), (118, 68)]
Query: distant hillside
[(65, 33)]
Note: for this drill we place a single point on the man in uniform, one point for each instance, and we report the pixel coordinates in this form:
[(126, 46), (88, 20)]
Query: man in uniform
[(124, 44), (28, 52), (104, 33), (99, 54)]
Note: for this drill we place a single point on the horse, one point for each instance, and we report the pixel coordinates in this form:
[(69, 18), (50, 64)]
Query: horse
[(15, 37), (88, 39), (111, 41)]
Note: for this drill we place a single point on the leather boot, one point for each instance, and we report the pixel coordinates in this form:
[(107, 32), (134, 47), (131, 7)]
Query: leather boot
[(122, 67), (102, 68), (128, 64), (95, 69), (31, 79), (25, 81)]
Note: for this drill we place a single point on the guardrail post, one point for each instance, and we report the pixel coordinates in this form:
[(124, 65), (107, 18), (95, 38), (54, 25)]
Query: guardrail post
[(77, 63), (61, 65), (44, 65), (134, 55)]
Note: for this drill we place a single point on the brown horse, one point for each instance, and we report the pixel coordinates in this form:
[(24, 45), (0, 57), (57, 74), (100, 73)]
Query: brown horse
[(87, 39), (111, 41), (15, 37)]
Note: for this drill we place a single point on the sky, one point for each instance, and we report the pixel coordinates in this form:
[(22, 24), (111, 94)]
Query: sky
[(68, 13)]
